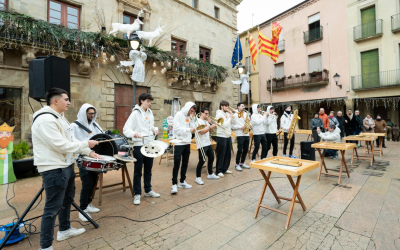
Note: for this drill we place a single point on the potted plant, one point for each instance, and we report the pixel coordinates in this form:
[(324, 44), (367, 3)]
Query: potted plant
[(269, 81), (22, 158), (283, 78), (314, 73), (274, 79), (303, 74), (289, 77), (297, 75)]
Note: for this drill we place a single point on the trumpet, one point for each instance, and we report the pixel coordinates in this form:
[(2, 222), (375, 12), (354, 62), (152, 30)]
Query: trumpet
[(219, 123), (240, 114)]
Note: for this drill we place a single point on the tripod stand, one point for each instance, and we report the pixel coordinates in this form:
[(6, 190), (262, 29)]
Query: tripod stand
[(29, 208)]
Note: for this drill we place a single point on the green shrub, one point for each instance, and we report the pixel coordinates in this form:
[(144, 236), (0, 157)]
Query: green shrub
[(20, 150)]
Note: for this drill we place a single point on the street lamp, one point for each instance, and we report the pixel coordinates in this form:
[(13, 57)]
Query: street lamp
[(336, 78), (134, 42), (240, 68)]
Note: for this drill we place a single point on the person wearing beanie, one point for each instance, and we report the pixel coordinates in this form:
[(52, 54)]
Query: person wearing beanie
[(380, 127)]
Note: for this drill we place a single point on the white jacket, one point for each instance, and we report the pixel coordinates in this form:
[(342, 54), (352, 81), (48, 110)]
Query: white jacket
[(286, 120), (238, 123), (141, 122), (81, 134), (225, 133), (204, 138), (272, 125), (183, 124), (331, 136), (54, 143), (258, 121)]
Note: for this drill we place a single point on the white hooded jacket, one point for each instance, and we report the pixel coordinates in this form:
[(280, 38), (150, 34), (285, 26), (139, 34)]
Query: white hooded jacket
[(272, 125), (331, 136), (258, 121), (238, 124), (54, 143), (81, 134), (286, 120), (226, 132), (141, 122), (183, 124)]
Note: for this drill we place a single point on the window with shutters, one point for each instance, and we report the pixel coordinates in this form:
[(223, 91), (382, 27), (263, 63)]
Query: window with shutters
[(129, 19), (64, 14), (204, 54), (178, 46), (279, 70), (195, 4), (370, 68), (315, 63), (368, 24), (314, 27), (216, 12)]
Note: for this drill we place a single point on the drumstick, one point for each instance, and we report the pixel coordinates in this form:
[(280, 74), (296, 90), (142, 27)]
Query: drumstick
[(111, 140)]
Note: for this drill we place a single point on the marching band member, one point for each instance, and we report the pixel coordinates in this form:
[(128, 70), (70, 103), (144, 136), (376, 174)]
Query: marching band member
[(183, 129), (224, 141), (84, 128), (257, 123), (286, 120), (242, 138), (139, 126), (204, 136), (54, 146), (270, 130)]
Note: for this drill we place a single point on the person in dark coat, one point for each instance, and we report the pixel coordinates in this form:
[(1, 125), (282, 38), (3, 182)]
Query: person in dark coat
[(316, 122), (380, 127), (342, 123), (358, 125), (350, 123)]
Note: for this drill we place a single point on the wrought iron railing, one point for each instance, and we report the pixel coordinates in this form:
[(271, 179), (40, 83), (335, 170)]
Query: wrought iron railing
[(395, 22), (281, 45), (368, 30), (380, 79), (301, 81), (313, 35)]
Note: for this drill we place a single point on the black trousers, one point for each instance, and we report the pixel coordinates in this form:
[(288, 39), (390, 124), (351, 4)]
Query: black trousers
[(209, 152), (315, 136), (137, 172), (224, 146), (181, 153), (243, 148), (285, 143), (89, 181), (383, 141), (257, 140), (272, 139)]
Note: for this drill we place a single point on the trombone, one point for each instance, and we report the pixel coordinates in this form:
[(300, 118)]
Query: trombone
[(197, 136), (219, 123), (240, 114)]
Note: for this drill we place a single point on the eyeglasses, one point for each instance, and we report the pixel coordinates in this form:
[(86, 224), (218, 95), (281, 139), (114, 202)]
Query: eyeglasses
[(91, 113), (206, 113)]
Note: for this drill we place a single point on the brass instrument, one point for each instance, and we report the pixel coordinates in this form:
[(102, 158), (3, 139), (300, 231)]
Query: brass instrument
[(219, 123), (293, 124), (240, 114), (247, 124), (200, 127), (197, 136)]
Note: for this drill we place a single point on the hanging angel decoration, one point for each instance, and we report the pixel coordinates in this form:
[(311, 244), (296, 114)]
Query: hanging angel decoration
[(137, 57), (244, 80)]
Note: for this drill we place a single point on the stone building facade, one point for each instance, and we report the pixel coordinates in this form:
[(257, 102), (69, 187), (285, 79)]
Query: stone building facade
[(207, 28)]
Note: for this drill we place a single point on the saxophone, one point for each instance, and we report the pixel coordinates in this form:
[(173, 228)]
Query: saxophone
[(293, 124), (246, 124)]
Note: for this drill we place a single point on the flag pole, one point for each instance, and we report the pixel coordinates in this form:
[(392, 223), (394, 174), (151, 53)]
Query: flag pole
[(270, 77), (248, 68)]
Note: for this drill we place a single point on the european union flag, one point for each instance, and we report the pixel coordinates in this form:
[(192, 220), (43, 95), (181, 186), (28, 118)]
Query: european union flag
[(237, 53)]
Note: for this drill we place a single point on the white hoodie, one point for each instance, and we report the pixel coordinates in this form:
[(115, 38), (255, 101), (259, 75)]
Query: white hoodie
[(81, 134), (238, 123), (258, 121), (183, 124), (286, 120), (226, 131), (141, 122), (331, 136), (272, 125), (54, 143)]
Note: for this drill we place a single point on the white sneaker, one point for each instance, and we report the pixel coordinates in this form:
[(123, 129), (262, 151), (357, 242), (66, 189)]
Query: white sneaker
[(83, 218), (228, 172), (91, 209), (245, 166), (238, 168), (174, 189), (253, 160), (184, 185), (212, 176), (136, 199), (221, 175), (152, 194), (199, 181), (63, 235), (49, 248)]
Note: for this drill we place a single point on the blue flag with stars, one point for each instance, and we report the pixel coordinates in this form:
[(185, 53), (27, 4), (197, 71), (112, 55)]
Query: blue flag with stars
[(237, 53)]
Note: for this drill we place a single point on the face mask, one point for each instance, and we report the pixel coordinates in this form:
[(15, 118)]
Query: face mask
[(378, 119), (287, 112)]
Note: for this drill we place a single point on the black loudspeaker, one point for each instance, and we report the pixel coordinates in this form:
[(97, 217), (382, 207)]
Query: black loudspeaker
[(46, 72), (307, 152)]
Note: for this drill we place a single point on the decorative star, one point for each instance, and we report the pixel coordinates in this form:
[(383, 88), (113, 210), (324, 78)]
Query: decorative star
[(76, 43), (102, 48), (126, 71), (176, 59), (93, 44), (183, 68), (118, 66), (97, 55), (83, 46), (120, 70)]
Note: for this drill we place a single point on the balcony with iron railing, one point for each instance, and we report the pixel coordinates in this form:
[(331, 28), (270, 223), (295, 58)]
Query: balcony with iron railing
[(281, 45), (301, 81), (368, 30), (382, 79), (313, 35), (395, 22)]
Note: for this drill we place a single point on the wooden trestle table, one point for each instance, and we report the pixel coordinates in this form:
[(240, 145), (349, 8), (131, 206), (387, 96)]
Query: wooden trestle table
[(381, 138), (369, 140)]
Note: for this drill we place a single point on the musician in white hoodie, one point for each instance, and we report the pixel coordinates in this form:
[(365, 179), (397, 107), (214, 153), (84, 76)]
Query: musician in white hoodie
[(139, 127), (184, 126), (270, 130), (84, 129), (54, 148), (258, 122), (286, 120), (333, 135), (242, 138)]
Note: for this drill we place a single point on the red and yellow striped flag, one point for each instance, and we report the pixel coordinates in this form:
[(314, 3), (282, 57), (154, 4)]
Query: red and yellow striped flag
[(270, 47), (253, 50)]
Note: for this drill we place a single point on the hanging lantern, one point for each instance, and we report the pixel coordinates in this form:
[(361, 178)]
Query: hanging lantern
[(169, 64), (112, 58), (162, 71), (162, 64), (154, 64), (154, 72), (104, 54)]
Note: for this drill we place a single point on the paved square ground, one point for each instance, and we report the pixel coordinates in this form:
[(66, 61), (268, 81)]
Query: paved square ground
[(361, 213)]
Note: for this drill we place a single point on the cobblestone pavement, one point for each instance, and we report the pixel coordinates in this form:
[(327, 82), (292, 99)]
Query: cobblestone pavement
[(361, 213)]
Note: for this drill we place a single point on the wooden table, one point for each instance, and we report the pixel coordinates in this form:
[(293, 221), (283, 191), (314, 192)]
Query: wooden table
[(304, 132), (368, 140), (381, 138), (342, 147), (265, 165)]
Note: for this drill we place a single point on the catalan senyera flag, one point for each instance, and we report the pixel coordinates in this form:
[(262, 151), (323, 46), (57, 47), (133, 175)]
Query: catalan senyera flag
[(253, 51), (270, 47)]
